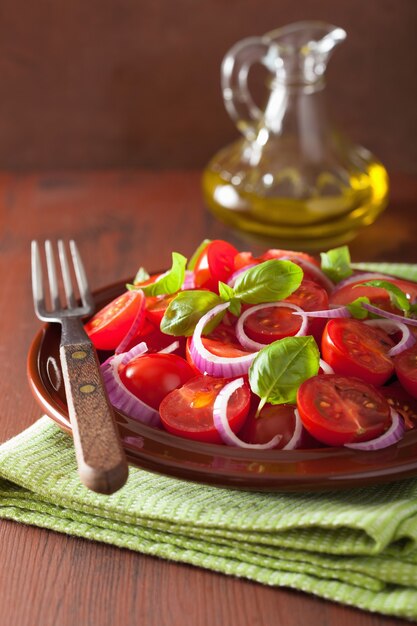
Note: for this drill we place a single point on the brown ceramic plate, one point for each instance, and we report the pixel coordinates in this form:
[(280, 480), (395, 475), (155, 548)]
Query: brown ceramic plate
[(161, 452)]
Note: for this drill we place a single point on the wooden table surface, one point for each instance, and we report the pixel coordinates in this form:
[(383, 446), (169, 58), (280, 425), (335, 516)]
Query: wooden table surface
[(123, 219)]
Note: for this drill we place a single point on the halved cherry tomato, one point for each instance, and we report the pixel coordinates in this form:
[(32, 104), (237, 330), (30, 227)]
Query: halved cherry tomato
[(338, 410), (310, 296), (273, 420), (272, 323), (379, 297), (274, 253), (188, 411), (109, 326), (243, 259), (216, 262), (400, 400), (151, 377), (221, 342), (406, 369), (352, 348), (156, 307)]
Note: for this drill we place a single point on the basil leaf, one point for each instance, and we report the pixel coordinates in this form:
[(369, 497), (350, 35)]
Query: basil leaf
[(279, 369), (356, 309), (335, 263), (408, 271), (184, 312), (227, 294), (141, 276), (193, 261), (169, 282), (268, 282), (397, 297)]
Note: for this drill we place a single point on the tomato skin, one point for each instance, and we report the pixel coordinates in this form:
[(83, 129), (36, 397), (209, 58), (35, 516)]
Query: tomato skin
[(310, 296), (109, 326), (216, 262), (243, 259), (406, 369), (337, 410), (272, 323), (273, 420), (151, 377), (188, 411), (400, 400), (156, 307), (274, 253), (353, 349)]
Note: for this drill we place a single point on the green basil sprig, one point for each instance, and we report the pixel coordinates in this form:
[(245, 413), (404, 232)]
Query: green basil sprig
[(267, 282), (356, 309), (169, 282), (335, 263), (279, 369), (186, 309), (397, 296)]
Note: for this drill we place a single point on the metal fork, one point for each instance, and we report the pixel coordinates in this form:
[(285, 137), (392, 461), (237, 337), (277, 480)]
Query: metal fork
[(100, 457)]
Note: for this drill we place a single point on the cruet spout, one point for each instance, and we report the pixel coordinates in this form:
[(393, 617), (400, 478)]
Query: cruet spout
[(299, 52)]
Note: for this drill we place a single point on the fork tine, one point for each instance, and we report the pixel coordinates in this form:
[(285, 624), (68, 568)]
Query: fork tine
[(52, 276), (37, 285), (66, 276), (85, 293)]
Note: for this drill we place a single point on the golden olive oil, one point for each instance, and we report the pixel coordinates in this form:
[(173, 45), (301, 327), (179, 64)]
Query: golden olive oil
[(333, 211)]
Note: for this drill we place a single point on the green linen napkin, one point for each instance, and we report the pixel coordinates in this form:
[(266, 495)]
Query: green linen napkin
[(357, 547)]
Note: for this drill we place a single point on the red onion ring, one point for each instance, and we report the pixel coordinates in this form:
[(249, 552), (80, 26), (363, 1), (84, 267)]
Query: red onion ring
[(137, 350), (249, 343), (388, 315), (361, 277), (335, 312), (212, 364), (171, 348), (122, 399), (394, 433), (189, 280), (133, 330), (390, 326), (222, 423), (325, 367), (297, 436)]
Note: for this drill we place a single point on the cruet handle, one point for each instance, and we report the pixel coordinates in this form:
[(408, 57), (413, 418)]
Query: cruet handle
[(234, 82)]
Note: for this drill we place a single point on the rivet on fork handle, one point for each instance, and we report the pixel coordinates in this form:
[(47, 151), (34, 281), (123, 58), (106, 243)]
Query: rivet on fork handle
[(101, 461)]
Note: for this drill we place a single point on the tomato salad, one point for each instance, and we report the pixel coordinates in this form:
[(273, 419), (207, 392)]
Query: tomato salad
[(281, 350)]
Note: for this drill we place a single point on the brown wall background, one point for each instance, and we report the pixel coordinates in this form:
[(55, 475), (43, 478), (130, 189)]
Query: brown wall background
[(101, 83)]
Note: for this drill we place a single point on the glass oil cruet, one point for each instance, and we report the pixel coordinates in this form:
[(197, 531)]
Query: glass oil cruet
[(291, 178)]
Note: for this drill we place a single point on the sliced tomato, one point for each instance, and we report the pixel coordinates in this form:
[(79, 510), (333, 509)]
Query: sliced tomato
[(243, 259), (188, 411), (352, 348), (151, 377), (272, 323), (274, 253), (338, 410), (273, 420), (109, 326), (156, 307), (400, 400), (310, 296), (406, 369), (216, 262), (379, 297), (221, 342)]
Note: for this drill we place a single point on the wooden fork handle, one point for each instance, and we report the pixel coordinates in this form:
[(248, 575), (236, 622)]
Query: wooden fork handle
[(100, 457)]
